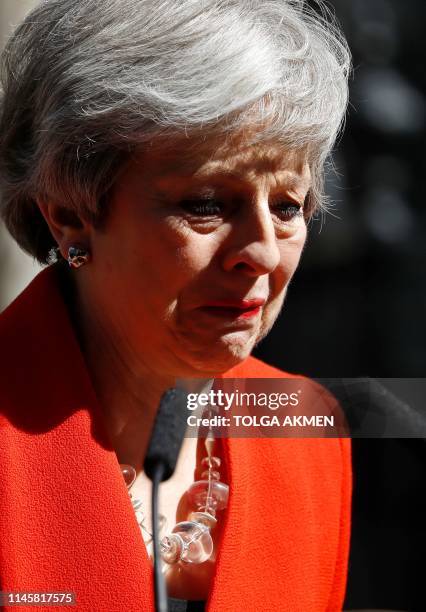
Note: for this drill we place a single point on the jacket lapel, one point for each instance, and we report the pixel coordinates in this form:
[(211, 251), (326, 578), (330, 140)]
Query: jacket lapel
[(56, 455)]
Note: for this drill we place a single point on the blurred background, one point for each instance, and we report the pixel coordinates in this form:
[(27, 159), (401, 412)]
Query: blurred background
[(357, 303), (16, 268)]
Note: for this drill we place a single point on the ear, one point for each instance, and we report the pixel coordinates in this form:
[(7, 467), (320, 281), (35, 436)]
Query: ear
[(66, 226)]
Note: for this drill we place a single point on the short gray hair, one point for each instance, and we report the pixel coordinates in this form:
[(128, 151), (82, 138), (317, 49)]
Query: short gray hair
[(86, 82)]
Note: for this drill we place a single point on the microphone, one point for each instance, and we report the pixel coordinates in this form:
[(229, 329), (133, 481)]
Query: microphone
[(167, 434), (160, 463)]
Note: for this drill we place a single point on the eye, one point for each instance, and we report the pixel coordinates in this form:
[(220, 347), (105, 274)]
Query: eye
[(288, 210), (206, 207)]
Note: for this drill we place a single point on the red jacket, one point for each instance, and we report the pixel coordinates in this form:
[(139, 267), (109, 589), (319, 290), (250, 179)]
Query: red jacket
[(66, 520)]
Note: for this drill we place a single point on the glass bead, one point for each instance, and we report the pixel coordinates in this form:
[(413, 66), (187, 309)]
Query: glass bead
[(211, 462), (205, 494), (204, 518), (209, 444), (171, 548), (129, 474), (211, 475), (197, 541)]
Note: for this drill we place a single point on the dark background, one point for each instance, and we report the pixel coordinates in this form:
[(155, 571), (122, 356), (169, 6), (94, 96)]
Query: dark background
[(356, 306)]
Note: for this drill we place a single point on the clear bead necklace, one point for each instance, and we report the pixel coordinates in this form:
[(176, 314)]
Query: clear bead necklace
[(190, 541)]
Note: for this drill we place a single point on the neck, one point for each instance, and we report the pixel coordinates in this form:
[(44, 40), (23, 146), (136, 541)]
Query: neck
[(128, 388)]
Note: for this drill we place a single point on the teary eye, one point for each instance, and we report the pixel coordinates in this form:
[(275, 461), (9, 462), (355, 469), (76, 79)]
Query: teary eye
[(288, 210), (206, 207)]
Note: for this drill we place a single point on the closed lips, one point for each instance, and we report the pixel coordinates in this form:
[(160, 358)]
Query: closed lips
[(233, 308)]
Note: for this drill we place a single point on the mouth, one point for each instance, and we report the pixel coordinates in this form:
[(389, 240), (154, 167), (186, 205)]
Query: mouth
[(234, 309)]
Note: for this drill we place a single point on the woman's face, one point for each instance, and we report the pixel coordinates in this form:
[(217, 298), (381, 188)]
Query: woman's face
[(192, 265)]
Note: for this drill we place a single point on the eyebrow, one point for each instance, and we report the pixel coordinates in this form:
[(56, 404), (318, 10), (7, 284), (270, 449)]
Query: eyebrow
[(290, 180)]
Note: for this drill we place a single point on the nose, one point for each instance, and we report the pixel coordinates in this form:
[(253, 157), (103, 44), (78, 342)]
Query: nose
[(253, 244)]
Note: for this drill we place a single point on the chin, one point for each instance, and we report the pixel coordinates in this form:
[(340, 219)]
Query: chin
[(221, 356)]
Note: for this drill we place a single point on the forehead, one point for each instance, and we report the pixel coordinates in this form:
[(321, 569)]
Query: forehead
[(232, 157)]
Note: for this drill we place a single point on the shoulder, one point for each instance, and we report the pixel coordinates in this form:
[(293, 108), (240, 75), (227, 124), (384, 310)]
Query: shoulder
[(25, 323), (38, 345), (26, 307)]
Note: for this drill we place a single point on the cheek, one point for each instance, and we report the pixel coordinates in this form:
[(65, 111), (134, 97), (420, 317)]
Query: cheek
[(290, 253), (290, 257), (181, 255), (164, 262)]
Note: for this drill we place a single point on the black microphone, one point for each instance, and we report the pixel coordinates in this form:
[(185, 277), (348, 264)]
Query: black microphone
[(160, 463), (167, 433)]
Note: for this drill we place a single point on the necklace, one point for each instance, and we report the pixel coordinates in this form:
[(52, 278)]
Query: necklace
[(129, 475), (190, 541)]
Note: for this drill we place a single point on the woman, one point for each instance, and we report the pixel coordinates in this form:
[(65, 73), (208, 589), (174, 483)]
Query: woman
[(173, 153)]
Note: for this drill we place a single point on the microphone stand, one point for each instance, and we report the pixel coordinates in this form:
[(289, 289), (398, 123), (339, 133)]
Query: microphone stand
[(160, 591), (160, 462)]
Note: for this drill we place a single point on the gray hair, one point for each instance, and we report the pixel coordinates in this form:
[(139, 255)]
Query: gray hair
[(86, 82)]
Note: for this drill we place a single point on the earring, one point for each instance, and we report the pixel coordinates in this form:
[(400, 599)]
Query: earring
[(78, 257)]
